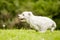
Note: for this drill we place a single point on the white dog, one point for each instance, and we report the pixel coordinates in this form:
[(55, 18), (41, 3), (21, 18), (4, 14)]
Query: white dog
[(39, 23)]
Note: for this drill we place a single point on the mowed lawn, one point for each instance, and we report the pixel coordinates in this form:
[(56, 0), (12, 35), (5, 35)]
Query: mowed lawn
[(24, 34)]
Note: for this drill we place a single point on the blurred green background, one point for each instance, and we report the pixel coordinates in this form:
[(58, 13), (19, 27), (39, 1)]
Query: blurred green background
[(9, 9)]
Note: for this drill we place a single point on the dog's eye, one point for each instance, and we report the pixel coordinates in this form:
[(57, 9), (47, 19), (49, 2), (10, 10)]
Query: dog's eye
[(23, 14)]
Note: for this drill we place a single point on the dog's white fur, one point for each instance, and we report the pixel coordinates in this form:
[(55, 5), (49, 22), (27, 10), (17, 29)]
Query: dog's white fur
[(39, 23)]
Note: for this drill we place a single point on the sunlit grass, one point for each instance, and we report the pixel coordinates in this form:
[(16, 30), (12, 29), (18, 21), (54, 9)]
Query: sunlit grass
[(23, 34)]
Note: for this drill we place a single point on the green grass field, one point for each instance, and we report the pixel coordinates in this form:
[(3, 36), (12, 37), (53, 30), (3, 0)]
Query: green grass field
[(23, 34)]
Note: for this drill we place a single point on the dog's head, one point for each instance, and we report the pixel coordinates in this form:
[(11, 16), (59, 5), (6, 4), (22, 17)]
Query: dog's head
[(25, 15)]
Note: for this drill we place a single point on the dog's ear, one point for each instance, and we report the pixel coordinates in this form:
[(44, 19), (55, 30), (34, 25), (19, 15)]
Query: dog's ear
[(29, 14)]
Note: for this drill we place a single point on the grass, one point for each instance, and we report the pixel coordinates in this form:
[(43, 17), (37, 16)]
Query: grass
[(23, 34)]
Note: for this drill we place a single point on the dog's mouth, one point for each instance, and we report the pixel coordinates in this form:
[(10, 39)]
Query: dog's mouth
[(22, 19)]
